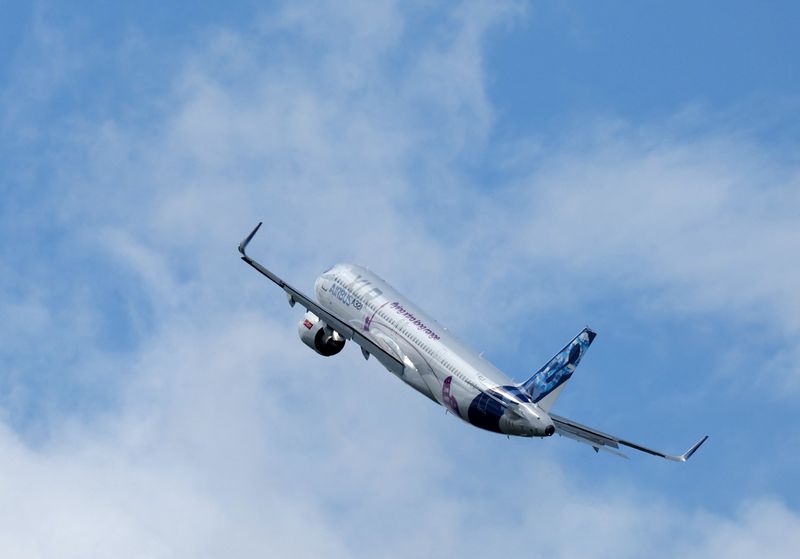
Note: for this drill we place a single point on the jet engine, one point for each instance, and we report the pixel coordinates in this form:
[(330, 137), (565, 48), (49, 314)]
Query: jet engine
[(319, 336)]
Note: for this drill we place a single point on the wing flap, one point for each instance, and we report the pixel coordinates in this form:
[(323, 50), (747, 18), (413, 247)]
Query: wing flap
[(579, 433), (603, 441)]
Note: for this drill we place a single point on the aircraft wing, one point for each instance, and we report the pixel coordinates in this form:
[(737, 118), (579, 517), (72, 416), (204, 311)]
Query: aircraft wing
[(603, 441), (345, 330)]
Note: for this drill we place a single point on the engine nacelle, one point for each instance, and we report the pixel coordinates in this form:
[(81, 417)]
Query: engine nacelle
[(319, 336)]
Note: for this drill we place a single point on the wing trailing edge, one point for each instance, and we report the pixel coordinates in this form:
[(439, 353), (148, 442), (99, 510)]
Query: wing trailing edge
[(610, 443)]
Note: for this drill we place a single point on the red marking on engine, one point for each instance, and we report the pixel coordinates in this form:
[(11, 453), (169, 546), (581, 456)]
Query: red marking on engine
[(308, 324)]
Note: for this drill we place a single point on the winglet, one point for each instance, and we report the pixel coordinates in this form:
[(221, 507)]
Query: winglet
[(246, 241), (688, 454)]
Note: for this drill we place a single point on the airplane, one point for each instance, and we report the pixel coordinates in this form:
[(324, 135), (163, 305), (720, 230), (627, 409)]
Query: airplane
[(353, 303)]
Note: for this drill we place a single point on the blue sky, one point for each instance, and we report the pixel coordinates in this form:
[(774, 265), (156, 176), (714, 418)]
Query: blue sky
[(518, 169)]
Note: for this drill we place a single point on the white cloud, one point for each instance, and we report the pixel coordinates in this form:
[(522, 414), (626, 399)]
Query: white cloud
[(224, 447), (225, 442)]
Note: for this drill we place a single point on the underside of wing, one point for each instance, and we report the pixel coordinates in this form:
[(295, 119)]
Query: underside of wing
[(609, 443), (346, 331)]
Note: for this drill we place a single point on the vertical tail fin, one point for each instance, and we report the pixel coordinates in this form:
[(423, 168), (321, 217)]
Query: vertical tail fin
[(546, 384)]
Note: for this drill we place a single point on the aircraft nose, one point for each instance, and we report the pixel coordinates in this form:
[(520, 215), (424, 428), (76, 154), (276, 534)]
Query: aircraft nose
[(549, 430)]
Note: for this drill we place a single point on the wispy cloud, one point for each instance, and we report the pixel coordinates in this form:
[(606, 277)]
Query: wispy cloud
[(350, 132)]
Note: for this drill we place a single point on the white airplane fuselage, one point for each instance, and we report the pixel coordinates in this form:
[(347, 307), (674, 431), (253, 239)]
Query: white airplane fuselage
[(435, 363), (354, 304)]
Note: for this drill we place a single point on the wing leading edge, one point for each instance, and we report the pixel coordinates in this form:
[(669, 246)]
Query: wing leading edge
[(346, 331), (603, 441)]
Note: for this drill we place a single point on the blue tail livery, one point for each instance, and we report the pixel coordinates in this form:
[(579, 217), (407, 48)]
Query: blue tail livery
[(544, 386)]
